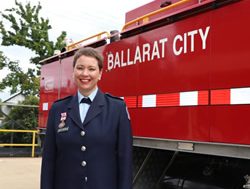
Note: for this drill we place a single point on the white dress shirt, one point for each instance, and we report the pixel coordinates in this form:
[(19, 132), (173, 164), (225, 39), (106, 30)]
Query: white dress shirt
[(83, 107)]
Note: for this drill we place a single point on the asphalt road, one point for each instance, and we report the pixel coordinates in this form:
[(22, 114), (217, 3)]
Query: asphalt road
[(20, 173)]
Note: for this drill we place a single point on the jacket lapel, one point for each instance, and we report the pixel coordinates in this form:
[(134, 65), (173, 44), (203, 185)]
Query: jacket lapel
[(96, 107), (73, 111)]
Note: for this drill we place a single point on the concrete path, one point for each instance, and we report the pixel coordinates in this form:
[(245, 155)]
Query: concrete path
[(20, 173)]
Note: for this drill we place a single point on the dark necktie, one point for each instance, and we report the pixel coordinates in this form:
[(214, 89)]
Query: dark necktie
[(86, 100)]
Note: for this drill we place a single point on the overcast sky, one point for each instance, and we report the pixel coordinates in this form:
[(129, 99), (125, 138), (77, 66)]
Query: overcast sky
[(79, 18)]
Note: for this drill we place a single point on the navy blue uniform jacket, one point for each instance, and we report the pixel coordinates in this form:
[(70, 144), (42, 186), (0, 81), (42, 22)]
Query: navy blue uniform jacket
[(95, 154)]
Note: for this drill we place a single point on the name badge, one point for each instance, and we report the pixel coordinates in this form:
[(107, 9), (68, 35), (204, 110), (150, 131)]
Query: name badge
[(64, 129)]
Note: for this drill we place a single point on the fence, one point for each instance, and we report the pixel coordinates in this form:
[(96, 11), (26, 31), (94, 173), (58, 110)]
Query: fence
[(33, 144)]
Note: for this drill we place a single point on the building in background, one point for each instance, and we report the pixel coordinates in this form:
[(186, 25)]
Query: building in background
[(8, 103)]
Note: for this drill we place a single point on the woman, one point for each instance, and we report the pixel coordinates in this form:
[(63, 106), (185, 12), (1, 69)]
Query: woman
[(88, 142)]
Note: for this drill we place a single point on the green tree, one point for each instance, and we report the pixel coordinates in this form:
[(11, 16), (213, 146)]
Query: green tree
[(23, 26), (18, 80), (29, 30), (23, 118), (3, 60)]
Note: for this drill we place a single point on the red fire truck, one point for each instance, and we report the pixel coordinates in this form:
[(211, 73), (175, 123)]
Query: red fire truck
[(183, 69)]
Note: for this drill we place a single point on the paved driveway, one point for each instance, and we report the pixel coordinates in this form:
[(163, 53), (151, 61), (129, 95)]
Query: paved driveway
[(20, 173)]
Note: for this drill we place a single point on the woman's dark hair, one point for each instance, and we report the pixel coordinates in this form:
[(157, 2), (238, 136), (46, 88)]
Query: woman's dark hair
[(89, 52)]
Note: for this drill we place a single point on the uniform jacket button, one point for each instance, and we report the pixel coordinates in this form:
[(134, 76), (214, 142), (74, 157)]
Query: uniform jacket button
[(86, 179), (82, 133), (84, 163), (83, 148)]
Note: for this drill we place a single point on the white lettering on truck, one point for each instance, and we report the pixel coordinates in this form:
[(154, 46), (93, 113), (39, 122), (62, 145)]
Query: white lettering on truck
[(182, 44), (146, 52)]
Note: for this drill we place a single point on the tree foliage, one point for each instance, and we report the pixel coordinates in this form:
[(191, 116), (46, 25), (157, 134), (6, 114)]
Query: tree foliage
[(29, 30), (18, 80), (3, 60), (23, 118), (23, 26)]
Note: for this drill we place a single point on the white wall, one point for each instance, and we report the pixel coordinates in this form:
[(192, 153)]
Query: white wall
[(14, 100)]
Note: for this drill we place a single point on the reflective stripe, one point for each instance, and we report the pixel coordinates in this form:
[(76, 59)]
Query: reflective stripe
[(149, 101), (131, 101), (189, 98), (202, 97), (172, 99), (240, 96), (220, 96)]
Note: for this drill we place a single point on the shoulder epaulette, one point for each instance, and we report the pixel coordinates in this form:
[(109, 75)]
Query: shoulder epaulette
[(61, 99), (115, 97)]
